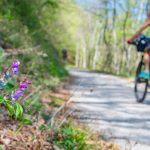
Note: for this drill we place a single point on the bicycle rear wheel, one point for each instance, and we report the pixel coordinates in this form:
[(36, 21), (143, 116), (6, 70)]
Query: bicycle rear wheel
[(141, 84)]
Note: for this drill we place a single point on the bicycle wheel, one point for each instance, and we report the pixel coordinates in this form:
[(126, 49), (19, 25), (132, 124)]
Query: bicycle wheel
[(141, 84)]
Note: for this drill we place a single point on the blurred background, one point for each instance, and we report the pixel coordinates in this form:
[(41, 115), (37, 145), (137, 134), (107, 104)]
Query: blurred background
[(93, 32)]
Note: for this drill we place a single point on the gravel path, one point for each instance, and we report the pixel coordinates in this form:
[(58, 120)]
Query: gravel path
[(107, 104)]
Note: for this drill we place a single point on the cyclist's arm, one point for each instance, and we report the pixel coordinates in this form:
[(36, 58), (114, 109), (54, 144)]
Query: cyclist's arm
[(145, 25)]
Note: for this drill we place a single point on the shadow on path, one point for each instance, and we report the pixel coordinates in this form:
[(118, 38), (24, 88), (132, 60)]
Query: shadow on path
[(107, 104)]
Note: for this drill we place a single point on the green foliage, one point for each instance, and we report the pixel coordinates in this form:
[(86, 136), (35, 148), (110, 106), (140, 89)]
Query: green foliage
[(43, 127), (43, 23), (71, 138), (19, 110), (1, 100), (46, 116), (56, 102), (10, 108), (14, 109), (34, 107), (25, 120), (10, 85)]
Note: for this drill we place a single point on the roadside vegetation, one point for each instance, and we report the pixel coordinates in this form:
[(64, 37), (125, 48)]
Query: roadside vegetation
[(32, 35)]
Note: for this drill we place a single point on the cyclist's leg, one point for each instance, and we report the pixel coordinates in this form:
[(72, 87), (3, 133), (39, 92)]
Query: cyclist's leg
[(146, 61), (146, 73), (147, 57)]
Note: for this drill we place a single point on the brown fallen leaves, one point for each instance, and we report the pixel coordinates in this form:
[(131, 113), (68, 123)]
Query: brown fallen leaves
[(46, 96), (102, 145), (28, 138)]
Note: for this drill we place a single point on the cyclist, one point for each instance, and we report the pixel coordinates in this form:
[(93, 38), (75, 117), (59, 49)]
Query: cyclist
[(64, 55), (144, 74)]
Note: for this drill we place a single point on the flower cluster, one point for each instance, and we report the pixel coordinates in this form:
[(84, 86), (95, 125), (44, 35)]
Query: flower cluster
[(19, 92), (8, 74)]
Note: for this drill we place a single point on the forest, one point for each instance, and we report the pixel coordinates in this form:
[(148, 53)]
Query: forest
[(33, 34), (103, 45)]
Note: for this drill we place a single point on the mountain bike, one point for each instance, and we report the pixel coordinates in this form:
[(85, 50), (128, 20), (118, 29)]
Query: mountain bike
[(141, 84)]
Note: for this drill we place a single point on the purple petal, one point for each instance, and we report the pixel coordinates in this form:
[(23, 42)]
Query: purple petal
[(17, 94), (27, 82), (15, 66), (15, 71), (23, 87)]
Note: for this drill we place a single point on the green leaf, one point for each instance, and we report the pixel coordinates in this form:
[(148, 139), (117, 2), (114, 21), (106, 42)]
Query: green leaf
[(19, 110), (10, 84), (28, 102), (1, 100), (10, 108), (25, 121)]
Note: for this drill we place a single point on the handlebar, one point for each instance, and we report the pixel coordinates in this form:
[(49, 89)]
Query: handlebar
[(141, 39)]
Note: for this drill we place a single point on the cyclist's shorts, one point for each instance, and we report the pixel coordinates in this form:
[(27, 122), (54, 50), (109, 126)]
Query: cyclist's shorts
[(147, 48), (144, 45)]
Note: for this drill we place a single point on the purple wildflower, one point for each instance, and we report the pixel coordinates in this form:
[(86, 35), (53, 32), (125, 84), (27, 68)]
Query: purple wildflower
[(15, 67), (24, 84), (15, 64), (27, 82), (17, 94), (15, 71), (23, 87)]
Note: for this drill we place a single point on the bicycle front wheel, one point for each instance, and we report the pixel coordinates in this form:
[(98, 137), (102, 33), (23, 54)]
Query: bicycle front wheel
[(141, 84)]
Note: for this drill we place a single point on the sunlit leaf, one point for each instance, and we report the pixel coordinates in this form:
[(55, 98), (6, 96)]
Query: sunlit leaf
[(1, 99), (19, 110), (25, 121), (10, 108)]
